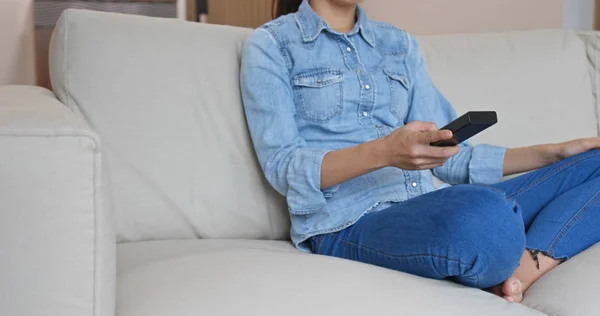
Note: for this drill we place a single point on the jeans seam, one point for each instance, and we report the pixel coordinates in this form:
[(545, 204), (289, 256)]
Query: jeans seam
[(555, 172), (572, 221), (392, 256)]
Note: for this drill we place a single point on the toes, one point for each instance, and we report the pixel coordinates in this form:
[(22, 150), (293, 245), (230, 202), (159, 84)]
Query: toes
[(514, 299), (513, 290), (512, 287)]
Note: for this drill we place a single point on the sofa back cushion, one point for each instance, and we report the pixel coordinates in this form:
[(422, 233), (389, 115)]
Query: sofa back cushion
[(164, 97), (537, 81)]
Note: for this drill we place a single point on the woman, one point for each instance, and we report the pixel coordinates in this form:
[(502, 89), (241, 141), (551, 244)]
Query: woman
[(342, 112)]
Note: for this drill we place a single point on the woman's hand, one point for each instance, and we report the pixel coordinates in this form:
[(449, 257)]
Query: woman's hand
[(574, 147), (525, 159), (409, 147)]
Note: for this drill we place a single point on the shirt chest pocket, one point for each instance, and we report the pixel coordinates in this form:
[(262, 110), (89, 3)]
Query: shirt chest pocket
[(318, 94), (399, 85)]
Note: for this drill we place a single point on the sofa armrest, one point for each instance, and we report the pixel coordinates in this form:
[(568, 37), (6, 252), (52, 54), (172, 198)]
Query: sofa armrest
[(592, 47), (57, 247)]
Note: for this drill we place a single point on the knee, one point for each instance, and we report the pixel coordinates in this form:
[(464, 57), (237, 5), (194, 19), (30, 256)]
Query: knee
[(491, 232), (484, 210)]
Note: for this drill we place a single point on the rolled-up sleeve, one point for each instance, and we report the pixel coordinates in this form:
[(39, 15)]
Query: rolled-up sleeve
[(292, 168), (473, 164)]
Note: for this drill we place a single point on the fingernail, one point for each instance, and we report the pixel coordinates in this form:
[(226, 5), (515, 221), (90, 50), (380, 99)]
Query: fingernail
[(510, 299)]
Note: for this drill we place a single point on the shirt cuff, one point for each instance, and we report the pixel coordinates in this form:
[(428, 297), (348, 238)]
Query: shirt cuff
[(487, 164), (304, 194)]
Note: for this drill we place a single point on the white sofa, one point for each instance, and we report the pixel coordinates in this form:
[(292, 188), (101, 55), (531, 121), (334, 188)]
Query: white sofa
[(135, 191)]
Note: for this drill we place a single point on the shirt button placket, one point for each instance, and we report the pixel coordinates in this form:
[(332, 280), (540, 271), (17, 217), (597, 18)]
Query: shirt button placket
[(365, 106)]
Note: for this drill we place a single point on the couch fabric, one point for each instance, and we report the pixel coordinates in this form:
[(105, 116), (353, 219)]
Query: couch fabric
[(180, 176), (235, 277), (57, 238), (179, 156)]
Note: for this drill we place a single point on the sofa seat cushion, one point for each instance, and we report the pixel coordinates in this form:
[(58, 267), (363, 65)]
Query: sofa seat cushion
[(571, 289), (235, 277)]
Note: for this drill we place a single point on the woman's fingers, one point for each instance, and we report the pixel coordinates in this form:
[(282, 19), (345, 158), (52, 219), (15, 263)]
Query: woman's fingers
[(429, 163), (428, 137), (430, 166), (433, 152), (592, 143)]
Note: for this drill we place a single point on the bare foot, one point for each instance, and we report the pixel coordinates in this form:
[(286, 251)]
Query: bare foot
[(526, 274), (511, 290)]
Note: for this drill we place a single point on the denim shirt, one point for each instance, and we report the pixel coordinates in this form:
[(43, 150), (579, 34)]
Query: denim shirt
[(309, 90)]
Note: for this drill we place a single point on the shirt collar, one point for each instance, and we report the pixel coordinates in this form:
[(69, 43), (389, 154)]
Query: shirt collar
[(311, 24)]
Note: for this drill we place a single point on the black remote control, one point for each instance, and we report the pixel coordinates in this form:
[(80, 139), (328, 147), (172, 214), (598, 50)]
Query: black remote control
[(467, 126)]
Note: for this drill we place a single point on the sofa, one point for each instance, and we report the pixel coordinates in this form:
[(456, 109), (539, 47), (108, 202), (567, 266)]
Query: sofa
[(132, 189)]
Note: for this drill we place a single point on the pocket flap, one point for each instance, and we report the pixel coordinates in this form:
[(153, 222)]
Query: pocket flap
[(318, 79), (402, 78)]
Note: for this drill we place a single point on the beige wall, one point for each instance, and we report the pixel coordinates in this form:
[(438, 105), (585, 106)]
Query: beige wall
[(17, 54), (457, 16)]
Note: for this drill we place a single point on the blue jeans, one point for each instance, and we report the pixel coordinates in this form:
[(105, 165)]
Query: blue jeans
[(475, 235)]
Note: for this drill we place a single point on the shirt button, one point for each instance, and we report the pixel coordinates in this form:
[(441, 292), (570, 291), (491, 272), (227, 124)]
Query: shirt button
[(378, 126), (365, 114), (367, 87), (414, 184), (348, 49)]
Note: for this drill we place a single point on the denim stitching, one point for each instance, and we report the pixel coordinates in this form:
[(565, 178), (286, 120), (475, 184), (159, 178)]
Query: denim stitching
[(392, 256), (392, 95), (371, 104), (361, 98), (395, 95), (341, 45), (307, 210), (300, 91), (282, 49), (555, 172), (339, 107), (320, 71), (593, 200)]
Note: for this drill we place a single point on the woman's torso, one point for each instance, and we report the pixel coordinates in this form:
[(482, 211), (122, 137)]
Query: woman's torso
[(348, 89)]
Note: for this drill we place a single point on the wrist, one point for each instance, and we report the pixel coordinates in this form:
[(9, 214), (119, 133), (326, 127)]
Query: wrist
[(550, 153), (377, 152)]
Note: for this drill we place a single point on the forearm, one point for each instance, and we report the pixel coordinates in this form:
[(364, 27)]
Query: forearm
[(345, 164), (525, 159)]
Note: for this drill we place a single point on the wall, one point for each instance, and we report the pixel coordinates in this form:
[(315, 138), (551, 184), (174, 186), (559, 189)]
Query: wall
[(458, 16), (579, 14), (17, 54), (181, 9), (246, 13)]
